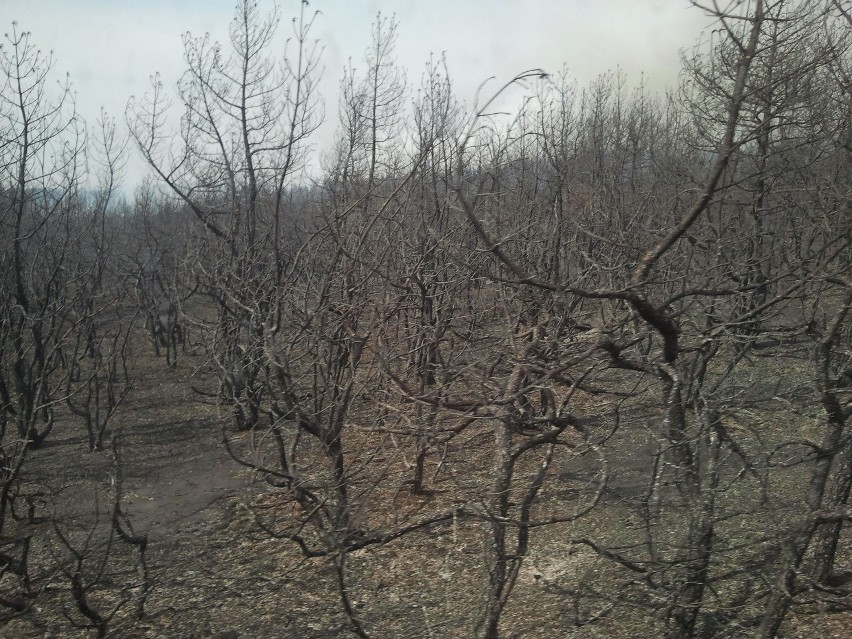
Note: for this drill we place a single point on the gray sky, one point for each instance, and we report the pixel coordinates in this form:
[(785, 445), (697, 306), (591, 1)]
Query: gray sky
[(112, 47)]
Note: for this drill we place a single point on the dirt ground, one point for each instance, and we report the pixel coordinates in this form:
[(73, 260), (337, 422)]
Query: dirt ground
[(175, 466), (180, 488), (215, 574)]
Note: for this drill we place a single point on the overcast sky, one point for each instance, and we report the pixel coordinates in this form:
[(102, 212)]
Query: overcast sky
[(110, 48)]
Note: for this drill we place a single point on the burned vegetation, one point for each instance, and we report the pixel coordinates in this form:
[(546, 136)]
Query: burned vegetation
[(580, 369)]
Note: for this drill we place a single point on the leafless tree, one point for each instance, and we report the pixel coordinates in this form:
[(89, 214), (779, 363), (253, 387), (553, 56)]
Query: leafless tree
[(682, 296), (58, 347), (42, 160), (646, 281), (86, 562), (246, 118)]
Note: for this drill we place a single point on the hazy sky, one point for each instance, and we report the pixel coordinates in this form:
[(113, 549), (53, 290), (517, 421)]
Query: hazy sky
[(111, 47)]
